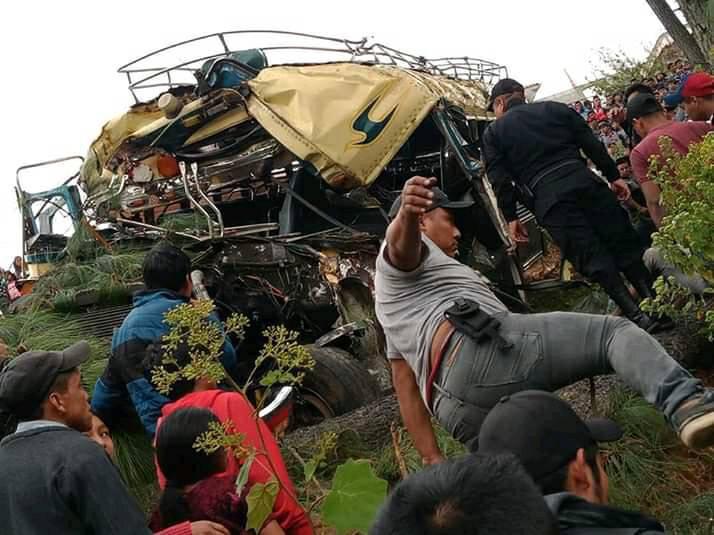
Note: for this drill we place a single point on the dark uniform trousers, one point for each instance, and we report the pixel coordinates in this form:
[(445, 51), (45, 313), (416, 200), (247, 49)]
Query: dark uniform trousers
[(587, 222)]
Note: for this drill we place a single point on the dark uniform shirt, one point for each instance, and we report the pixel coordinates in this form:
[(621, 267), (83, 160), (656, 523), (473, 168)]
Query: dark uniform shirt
[(530, 139)]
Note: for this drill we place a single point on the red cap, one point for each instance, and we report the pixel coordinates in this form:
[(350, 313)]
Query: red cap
[(698, 84)]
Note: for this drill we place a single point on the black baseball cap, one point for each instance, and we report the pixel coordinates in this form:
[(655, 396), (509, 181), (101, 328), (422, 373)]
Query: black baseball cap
[(542, 430), (26, 380), (504, 87), (439, 200), (642, 105)]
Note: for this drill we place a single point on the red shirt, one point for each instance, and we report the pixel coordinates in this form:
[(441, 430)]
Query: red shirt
[(682, 135), (234, 407)]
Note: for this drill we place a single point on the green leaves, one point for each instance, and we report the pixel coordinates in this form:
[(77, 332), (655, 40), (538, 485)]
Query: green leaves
[(191, 324), (687, 184), (261, 499), (242, 478), (355, 497)]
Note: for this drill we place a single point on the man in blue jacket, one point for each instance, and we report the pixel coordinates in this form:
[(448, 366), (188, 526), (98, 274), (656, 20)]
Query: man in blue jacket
[(166, 273)]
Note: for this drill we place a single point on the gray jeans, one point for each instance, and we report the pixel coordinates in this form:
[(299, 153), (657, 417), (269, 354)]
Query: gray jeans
[(551, 351)]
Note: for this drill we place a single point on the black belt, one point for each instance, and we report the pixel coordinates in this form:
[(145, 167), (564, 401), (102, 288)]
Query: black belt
[(533, 182)]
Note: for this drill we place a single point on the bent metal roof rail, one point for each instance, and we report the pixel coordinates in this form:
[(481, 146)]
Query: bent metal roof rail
[(175, 64)]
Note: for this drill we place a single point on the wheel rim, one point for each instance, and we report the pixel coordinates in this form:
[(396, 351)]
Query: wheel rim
[(312, 409)]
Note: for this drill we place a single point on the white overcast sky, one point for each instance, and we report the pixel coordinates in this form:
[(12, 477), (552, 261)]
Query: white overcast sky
[(59, 59)]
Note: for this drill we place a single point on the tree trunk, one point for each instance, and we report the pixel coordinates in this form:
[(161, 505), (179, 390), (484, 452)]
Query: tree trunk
[(682, 38), (699, 18)]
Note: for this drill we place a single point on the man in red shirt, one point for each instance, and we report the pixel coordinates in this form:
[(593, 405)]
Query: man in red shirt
[(235, 408), (649, 121), (698, 94)]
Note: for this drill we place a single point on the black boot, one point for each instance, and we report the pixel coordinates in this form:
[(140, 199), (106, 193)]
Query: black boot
[(641, 280), (619, 293)]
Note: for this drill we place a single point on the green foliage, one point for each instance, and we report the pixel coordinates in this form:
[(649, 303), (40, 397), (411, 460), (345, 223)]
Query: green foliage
[(190, 323), (355, 496), (107, 275), (615, 70), (290, 358), (223, 435), (134, 456), (45, 331), (326, 446), (650, 471), (687, 184), (261, 499)]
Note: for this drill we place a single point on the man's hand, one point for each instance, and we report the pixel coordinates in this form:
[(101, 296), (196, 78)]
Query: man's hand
[(621, 190), (404, 246), (415, 416), (417, 195), (204, 527), (518, 233)]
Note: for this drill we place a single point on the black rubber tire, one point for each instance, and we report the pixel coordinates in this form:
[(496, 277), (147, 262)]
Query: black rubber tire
[(340, 380)]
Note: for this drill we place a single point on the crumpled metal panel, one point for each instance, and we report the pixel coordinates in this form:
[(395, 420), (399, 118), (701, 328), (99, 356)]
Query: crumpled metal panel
[(348, 120)]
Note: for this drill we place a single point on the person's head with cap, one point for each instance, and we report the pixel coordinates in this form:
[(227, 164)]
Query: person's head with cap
[(505, 94), (645, 113), (556, 447), (46, 385), (438, 222), (471, 495), (698, 94)]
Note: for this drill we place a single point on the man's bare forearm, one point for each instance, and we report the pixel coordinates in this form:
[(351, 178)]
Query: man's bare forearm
[(414, 413), (404, 241)]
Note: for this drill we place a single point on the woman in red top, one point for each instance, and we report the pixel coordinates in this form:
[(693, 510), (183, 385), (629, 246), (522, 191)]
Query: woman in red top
[(197, 484), (233, 407)]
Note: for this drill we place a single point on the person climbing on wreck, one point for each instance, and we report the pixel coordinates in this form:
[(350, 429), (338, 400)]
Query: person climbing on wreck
[(455, 349)]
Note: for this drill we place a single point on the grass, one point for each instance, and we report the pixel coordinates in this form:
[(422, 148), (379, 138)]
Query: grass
[(652, 472)]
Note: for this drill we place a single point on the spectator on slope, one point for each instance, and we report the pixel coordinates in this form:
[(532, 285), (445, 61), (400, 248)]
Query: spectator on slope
[(197, 484), (698, 94), (473, 495), (46, 460), (636, 205), (124, 382), (649, 121), (234, 408), (561, 453)]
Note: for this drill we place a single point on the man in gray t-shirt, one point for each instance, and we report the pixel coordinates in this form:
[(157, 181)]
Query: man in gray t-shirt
[(438, 370)]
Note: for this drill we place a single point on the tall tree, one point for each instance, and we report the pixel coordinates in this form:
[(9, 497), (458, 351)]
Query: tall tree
[(685, 40)]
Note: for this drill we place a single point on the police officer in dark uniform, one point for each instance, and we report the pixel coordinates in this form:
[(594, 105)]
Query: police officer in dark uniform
[(533, 153)]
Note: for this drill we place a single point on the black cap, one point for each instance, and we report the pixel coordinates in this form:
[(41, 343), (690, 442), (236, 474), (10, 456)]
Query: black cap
[(439, 200), (642, 105), (504, 87), (542, 430), (26, 380)]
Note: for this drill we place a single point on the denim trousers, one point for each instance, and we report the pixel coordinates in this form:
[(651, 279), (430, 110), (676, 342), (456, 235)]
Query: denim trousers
[(547, 352)]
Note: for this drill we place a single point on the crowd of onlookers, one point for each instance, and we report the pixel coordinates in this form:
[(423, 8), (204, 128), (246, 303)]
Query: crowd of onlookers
[(607, 118)]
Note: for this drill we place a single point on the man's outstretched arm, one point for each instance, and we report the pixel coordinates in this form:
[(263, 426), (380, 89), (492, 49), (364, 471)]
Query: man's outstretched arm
[(414, 413), (404, 246)]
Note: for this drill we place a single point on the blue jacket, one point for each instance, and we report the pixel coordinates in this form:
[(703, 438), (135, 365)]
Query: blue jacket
[(125, 377)]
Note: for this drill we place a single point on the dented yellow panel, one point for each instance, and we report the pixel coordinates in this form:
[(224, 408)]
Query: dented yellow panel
[(346, 119)]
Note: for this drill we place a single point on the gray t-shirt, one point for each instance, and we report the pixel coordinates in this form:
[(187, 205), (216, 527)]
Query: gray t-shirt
[(410, 305)]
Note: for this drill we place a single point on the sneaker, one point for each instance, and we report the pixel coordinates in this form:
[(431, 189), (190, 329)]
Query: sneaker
[(694, 420)]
